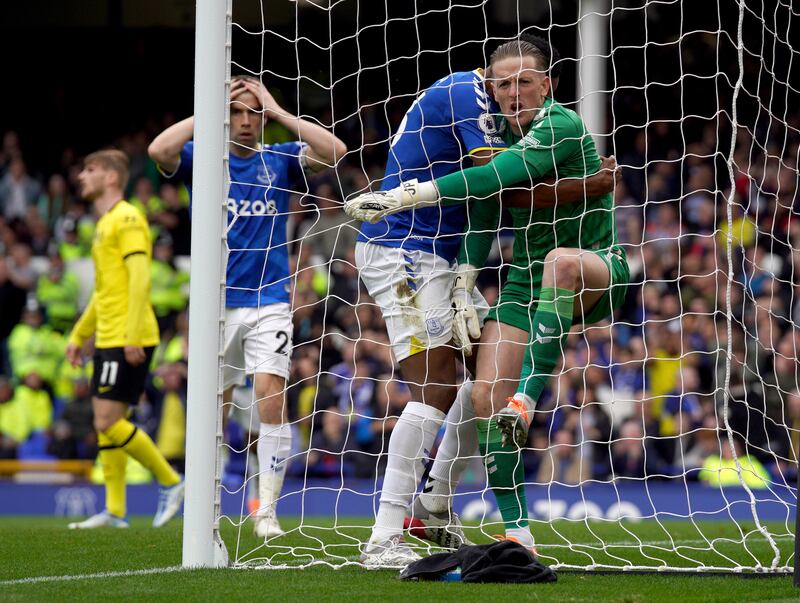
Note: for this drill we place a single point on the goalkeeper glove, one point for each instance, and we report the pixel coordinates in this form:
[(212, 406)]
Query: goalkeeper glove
[(466, 324), (372, 207)]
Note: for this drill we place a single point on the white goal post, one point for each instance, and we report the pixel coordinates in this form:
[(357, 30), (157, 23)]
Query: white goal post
[(202, 546)]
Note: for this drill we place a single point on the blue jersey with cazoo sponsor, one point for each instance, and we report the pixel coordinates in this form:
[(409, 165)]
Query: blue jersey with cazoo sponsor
[(258, 208), (450, 120)]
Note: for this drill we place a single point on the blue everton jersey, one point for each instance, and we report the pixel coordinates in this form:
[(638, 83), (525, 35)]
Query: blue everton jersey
[(448, 121), (258, 208)]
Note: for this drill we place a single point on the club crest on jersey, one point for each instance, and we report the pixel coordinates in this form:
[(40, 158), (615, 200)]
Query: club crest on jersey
[(266, 175)]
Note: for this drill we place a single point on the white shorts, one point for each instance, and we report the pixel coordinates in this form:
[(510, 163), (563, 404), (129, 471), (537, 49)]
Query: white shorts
[(257, 340), (412, 289)]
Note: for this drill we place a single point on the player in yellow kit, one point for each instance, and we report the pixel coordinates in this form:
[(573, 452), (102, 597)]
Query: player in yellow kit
[(120, 316)]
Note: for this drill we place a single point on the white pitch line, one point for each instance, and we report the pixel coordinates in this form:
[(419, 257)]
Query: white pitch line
[(333, 561), (68, 578), (679, 543)]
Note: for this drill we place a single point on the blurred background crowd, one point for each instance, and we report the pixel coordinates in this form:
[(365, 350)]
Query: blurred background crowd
[(642, 395)]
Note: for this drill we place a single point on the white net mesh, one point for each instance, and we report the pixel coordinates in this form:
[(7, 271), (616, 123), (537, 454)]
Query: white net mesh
[(668, 437)]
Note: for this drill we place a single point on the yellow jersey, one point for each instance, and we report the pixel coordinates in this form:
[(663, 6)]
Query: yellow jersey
[(122, 232)]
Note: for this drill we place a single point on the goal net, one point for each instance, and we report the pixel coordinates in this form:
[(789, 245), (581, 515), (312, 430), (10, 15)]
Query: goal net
[(667, 438)]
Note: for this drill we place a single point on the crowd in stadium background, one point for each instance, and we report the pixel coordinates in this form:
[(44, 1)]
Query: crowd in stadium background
[(661, 363)]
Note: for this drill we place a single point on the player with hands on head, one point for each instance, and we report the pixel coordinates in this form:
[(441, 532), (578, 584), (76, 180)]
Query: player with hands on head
[(258, 317), (120, 316)]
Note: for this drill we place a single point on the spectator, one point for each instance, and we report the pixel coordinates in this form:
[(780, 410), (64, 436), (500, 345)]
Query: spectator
[(18, 191), (20, 268), (144, 199), (73, 434), (74, 232), (720, 470), (34, 346), (14, 423), (632, 455), (170, 408), (35, 401), (304, 397), (9, 150), (705, 445), (174, 219), (744, 229), (55, 201), (592, 431), (57, 291), (36, 233), (169, 292), (330, 233), (560, 464), (69, 246), (327, 454)]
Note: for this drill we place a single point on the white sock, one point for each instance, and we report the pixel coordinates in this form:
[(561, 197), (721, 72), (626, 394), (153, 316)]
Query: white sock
[(529, 402), (409, 447), (459, 446), (252, 477), (274, 446), (521, 535)]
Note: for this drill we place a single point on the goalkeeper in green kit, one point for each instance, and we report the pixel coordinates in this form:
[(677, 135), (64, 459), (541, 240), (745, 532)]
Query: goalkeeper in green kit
[(566, 269)]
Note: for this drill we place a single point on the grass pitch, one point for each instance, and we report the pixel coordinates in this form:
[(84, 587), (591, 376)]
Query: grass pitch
[(43, 561)]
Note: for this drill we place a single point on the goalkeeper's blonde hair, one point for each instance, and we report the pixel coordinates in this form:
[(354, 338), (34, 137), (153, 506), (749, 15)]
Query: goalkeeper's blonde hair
[(518, 48)]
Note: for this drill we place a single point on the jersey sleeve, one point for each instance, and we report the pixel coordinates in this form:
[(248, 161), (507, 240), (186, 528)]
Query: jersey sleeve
[(183, 172), (506, 169), (293, 154), (483, 225), (133, 235), (550, 142), (474, 123)]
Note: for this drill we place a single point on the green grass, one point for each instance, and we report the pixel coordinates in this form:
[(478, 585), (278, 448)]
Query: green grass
[(36, 547)]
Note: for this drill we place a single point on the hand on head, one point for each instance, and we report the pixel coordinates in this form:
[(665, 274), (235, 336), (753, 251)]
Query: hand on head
[(266, 101)]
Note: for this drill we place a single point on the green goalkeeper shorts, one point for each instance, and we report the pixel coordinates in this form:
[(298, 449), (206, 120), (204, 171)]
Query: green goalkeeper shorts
[(517, 302)]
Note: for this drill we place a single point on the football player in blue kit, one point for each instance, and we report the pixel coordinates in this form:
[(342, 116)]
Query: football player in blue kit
[(408, 263), (258, 318)]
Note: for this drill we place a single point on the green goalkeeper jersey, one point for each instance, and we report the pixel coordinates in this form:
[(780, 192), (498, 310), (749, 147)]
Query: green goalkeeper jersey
[(556, 145)]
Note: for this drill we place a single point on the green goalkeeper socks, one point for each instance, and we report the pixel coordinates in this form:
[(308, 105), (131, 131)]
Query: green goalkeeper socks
[(506, 474), (551, 325)]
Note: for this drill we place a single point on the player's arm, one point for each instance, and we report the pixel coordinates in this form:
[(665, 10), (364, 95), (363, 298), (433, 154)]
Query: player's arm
[(551, 192), (506, 169), (521, 166), (166, 148), (138, 266), (82, 330), (482, 225), (324, 149), (547, 192), (133, 241)]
